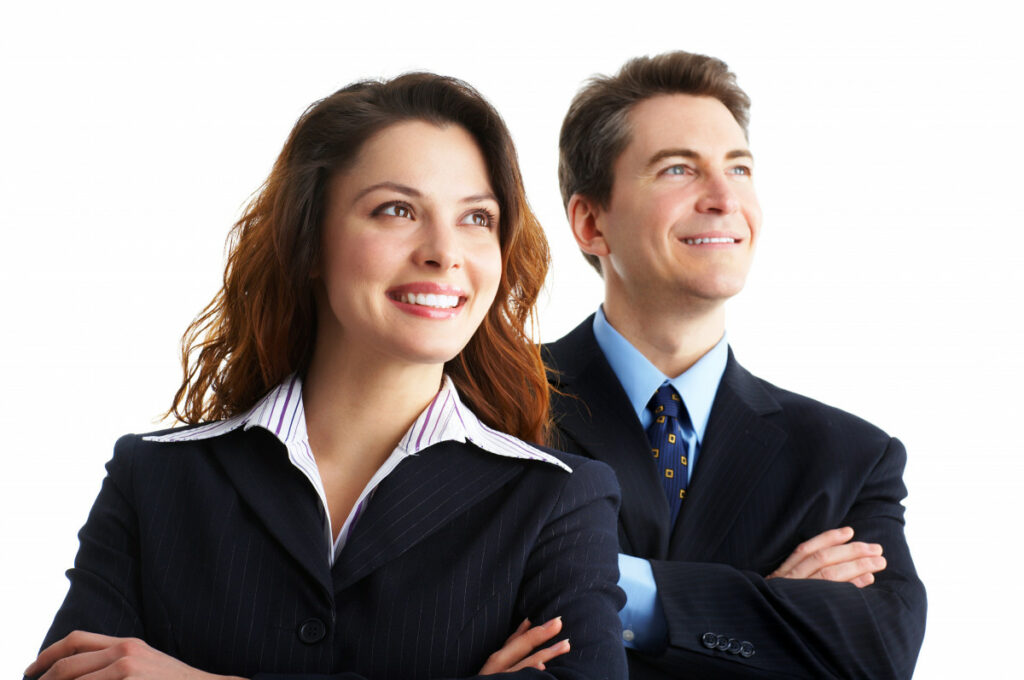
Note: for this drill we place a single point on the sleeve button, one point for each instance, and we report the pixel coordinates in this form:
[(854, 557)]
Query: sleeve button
[(709, 640), (746, 649)]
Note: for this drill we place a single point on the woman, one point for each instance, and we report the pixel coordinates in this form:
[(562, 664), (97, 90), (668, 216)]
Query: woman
[(351, 506)]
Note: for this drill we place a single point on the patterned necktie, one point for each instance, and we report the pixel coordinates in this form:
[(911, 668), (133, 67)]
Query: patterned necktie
[(671, 437)]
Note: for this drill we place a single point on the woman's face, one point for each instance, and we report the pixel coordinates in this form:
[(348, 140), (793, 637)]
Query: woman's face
[(410, 259)]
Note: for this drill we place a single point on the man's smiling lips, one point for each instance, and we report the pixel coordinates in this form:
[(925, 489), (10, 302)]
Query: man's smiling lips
[(710, 239), (428, 299)]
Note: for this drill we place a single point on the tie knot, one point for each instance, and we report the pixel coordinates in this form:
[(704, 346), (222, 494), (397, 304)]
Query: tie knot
[(666, 402)]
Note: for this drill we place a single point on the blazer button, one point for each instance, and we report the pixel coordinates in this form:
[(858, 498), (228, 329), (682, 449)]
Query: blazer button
[(709, 640), (312, 631), (746, 649), (722, 643), (734, 646)]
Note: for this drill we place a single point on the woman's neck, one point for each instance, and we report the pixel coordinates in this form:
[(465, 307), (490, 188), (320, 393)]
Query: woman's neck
[(357, 410)]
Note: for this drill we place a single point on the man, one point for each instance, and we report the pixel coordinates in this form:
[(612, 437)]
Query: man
[(740, 500)]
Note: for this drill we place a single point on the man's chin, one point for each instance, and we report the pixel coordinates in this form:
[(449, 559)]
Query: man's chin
[(716, 290)]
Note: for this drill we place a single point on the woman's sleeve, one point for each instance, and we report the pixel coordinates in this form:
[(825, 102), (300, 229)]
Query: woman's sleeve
[(104, 593), (573, 573)]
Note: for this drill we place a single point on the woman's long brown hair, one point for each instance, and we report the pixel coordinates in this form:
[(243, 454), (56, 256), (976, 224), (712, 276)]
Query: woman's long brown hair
[(261, 325)]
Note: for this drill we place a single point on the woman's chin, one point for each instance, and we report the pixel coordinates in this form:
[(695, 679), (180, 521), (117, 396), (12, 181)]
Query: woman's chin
[(425, 353)]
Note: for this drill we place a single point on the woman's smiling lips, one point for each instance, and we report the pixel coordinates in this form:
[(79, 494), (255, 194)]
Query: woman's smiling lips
[(427, 299)]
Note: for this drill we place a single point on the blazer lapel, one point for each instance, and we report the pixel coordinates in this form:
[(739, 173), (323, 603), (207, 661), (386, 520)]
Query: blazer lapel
[(280, 496), (424, 493), (596, 414), (739, 446)]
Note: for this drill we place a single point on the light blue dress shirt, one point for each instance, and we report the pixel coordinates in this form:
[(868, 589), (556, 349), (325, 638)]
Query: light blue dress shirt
[(643, 620)]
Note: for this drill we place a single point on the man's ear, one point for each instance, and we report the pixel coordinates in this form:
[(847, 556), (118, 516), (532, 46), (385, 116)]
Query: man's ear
[(583, 214)]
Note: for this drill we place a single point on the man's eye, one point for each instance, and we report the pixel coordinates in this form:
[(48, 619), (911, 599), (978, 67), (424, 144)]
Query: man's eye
[(740, 170), (394, 210), (677, 170)]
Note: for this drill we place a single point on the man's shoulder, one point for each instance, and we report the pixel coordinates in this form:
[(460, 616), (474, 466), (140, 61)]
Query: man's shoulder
[(584, 388), (571, 352), (799, 414)]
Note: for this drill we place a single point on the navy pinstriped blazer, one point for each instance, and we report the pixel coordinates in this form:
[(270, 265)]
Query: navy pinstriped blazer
[(213, 551), (775, 469)]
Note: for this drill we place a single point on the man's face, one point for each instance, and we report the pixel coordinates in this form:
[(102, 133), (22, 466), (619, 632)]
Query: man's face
[(683, 219)]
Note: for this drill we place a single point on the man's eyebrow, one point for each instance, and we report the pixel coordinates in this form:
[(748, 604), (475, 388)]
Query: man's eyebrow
[(739, 153), (667, 153), (394, 186), (690, 153)]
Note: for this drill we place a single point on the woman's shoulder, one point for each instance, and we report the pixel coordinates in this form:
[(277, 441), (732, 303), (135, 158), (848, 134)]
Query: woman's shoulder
[(585, 476), (587, 468), (570, 460), (507, 446), (180, 444), (128, 443)]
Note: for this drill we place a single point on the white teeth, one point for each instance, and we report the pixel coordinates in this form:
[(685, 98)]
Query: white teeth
[(430, 300), (717, 239)]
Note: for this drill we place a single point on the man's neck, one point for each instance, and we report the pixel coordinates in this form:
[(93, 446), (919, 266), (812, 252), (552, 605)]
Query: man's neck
[(671, 339)]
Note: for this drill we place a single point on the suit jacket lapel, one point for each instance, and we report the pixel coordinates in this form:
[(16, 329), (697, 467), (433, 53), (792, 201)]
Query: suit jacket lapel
[(424, 493), (739, 446), (602, 423), (280, 496)]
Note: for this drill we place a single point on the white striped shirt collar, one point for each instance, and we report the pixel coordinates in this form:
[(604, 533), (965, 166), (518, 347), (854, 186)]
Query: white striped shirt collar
[(446, 418)]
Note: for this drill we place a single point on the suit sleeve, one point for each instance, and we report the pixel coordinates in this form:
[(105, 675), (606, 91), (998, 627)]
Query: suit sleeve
[(802, 628), (573, 573), (103, 596)]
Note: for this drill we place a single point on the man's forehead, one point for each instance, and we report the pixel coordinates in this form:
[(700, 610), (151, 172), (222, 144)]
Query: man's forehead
[(701, 125)]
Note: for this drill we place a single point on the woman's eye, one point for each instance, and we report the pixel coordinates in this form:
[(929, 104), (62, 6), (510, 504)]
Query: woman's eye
[(395, 210), (479, 218)]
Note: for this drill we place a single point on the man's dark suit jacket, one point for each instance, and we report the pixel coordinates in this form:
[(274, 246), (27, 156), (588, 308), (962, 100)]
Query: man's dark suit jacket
[(775, 469), (214, 552)]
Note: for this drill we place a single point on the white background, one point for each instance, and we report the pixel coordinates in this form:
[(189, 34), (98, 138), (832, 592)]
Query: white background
[(889, 163)]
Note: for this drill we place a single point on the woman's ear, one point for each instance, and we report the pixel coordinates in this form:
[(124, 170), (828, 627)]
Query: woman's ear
[(584, 219)]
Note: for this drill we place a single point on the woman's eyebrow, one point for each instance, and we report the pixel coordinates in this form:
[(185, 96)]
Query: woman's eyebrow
[(394, 186), (416, 193), (480, 197)]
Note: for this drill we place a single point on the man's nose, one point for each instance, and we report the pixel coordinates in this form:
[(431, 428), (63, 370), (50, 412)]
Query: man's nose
[(718, 196)]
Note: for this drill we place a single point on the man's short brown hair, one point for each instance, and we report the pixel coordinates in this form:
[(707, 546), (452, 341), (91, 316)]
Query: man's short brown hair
[(596, 131)]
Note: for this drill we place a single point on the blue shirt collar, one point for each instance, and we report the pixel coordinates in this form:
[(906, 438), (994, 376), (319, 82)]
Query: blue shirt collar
[(697, 385)]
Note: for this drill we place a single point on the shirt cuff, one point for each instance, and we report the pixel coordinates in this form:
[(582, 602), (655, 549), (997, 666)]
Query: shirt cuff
[(643, 620)]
